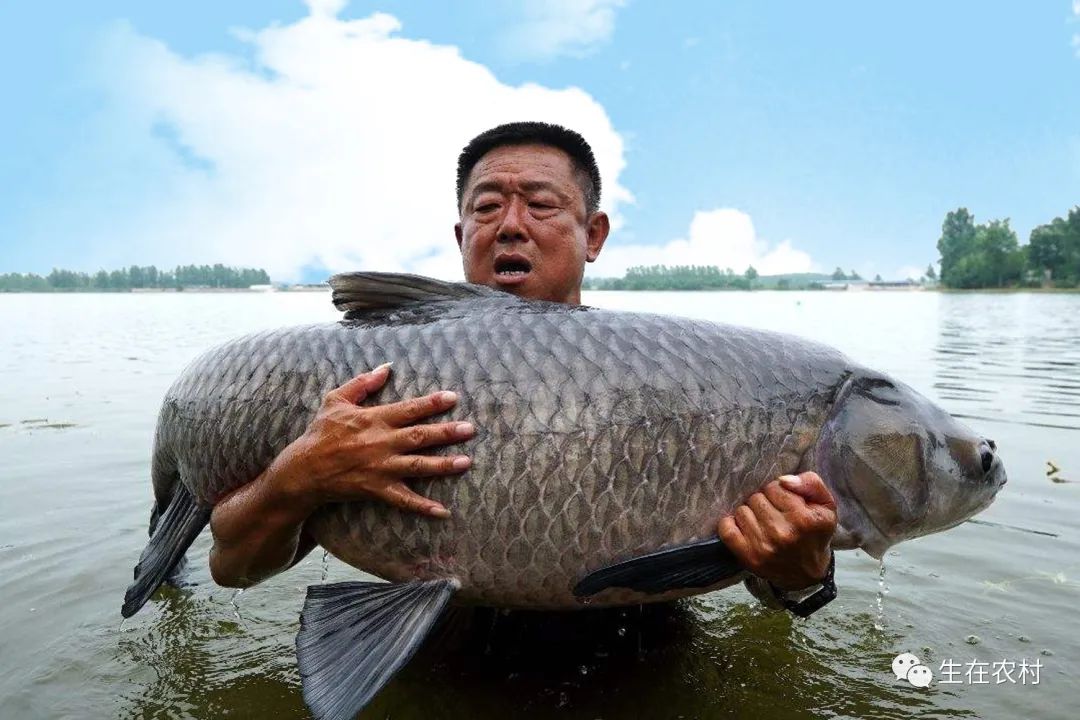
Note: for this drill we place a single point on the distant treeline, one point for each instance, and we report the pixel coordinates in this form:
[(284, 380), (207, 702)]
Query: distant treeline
[(679, 277), (990, 256), (136, 277), (708, 277)]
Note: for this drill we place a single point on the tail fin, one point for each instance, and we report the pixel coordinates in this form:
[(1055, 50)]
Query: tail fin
[(171, 535)]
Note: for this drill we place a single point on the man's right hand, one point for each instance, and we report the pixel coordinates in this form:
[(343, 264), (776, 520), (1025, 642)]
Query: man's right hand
[(347, 453), (350, 452)]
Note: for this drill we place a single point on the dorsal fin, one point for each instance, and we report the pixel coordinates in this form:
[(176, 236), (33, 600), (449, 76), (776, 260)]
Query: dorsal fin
[(364, 291)]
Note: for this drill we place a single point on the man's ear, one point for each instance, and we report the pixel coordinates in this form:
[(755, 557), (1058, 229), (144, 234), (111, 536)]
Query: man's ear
[(598, 229), (457, 234)]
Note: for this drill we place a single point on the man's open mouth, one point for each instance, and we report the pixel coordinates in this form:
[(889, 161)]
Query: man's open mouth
[(511, 268)]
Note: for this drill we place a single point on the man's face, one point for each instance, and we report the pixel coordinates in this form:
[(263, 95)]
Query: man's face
[(524, 228)]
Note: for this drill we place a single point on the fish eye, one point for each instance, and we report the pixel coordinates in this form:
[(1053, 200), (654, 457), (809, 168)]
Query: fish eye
[(986, 454)]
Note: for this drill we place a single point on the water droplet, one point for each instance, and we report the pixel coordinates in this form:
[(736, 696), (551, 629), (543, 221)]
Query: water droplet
[(972, 640), (235, 602), (1046, 651), (879, 621), (584, 670), (1024, 639), (325, 564), (621, 632)]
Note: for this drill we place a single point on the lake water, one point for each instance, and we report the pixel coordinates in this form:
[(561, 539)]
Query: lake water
[(81, 379)]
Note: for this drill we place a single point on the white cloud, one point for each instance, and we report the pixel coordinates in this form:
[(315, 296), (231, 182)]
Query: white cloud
[(1076, 36), (724, 237), (334, 145), (561, 27)]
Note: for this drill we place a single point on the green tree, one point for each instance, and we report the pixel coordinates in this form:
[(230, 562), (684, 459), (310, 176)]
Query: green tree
[(957, 241), (930, 274), (751, 274), (1053, 250), (854, 276), (136, 277), (838, 274), (1002, 261)]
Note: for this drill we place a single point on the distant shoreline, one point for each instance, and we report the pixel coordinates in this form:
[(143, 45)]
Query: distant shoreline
[(164, 291), (961, 291)]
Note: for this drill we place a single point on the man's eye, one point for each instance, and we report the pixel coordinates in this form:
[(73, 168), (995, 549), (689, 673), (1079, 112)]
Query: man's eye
[(486, 207), (541, 206)]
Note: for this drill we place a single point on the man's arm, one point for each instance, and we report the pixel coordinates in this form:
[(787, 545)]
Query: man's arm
[(782, 533), (346, 453)]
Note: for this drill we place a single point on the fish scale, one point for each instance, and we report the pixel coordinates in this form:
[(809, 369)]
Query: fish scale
[(584, 418)]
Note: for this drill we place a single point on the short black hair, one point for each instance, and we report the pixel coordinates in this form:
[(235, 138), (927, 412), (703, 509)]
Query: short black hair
[(534, 133)]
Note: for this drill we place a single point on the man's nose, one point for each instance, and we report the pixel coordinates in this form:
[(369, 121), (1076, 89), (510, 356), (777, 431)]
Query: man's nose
[(512, 226)]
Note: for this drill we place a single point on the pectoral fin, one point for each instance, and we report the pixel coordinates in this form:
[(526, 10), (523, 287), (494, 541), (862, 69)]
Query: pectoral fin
[(171, 534), (355, 635), (696, 565)]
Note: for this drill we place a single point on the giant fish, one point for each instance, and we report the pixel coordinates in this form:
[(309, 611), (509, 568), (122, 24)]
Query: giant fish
[(607, 446)]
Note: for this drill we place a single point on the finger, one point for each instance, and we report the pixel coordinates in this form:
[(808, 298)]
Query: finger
[(810, 487), (407, 412), (399, 495), (427, 465), (729, 533), (765, 513), (422, 436), (357, 389), (784, 500), (748, 525)]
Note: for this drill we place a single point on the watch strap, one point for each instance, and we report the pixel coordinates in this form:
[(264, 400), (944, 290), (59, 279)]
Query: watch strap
[(807, 606)]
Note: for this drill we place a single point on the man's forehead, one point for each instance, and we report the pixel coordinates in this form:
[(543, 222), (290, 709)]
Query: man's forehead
[(527, 160)]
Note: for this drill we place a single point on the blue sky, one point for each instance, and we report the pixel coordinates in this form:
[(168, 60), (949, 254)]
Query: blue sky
[(319, 137)]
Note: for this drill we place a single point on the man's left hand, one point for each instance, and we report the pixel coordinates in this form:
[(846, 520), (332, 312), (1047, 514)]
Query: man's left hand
[(782, 533)]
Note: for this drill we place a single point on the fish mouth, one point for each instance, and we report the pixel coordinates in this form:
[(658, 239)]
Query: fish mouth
[(512, 268)]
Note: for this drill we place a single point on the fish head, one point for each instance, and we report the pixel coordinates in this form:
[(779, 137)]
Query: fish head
[(901, 467)]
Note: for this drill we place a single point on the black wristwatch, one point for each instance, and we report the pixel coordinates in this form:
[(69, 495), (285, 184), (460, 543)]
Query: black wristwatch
[(806, 602)]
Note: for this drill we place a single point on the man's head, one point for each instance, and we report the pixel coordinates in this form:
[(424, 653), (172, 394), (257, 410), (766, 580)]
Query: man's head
[(528, 197)]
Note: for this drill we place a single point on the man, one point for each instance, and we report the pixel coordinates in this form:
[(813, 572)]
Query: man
[(528, 200)]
